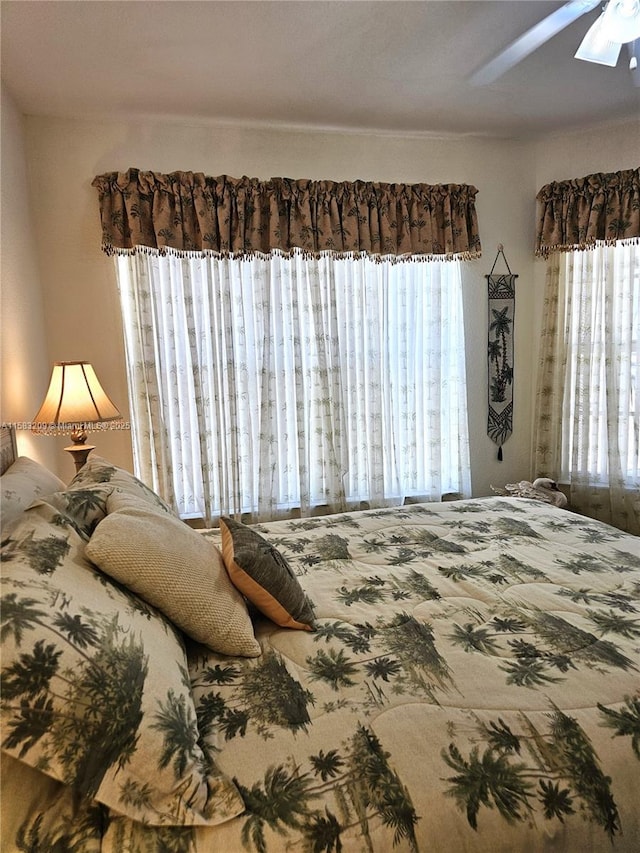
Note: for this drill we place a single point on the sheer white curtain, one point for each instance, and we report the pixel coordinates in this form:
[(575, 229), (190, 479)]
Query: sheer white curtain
[(588, 412), (269, 384)]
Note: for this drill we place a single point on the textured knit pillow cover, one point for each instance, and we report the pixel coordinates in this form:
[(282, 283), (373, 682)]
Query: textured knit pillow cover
[(178, 571), (94, 685), (263, 575)]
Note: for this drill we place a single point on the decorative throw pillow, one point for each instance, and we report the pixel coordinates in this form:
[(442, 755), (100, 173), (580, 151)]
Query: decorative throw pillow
[(21, 484), (264, 576), (95, 686), (178, 571), (100, 488), (98, 471), (84, 504)]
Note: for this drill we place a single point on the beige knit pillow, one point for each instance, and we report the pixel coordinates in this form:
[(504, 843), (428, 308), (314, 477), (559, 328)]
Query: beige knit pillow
[(178, 571)]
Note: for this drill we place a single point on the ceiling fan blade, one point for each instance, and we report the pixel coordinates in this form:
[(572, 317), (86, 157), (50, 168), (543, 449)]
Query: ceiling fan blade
[(532, 39), (596, 47)]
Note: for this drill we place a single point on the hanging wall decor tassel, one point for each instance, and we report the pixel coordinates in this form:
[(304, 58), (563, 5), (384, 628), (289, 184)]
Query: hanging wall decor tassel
[(502, 303)]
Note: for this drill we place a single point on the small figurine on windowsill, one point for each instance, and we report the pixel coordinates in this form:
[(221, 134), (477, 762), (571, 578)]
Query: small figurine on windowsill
[(543, 489)]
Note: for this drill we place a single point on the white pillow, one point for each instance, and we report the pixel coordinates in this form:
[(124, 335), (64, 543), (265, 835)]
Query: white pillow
[(172, 567), (21, 484)]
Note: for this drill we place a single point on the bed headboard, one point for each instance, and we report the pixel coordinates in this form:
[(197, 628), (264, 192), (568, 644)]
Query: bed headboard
[(8, 450)]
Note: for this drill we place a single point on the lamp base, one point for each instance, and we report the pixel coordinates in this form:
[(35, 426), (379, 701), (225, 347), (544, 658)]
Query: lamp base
[(79, 452)]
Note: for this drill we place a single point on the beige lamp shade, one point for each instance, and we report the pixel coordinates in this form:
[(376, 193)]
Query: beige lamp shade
[(75, 400)]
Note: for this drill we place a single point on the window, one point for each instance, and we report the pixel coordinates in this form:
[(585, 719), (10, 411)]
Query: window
[(266, 384), (587, 421), (601, 399)]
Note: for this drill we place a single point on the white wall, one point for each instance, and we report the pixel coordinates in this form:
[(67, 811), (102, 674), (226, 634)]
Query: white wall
[(608, 148), (78, 281), (23, 343)]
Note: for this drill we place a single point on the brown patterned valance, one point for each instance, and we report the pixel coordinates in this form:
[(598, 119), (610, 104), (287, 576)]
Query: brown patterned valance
[(598, 208), (187, 212)]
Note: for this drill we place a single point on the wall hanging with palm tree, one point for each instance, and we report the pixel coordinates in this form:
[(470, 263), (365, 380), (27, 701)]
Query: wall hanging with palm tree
[(502, 303)]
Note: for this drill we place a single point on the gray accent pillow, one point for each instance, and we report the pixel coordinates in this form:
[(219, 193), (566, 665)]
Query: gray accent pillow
[(264, 576)]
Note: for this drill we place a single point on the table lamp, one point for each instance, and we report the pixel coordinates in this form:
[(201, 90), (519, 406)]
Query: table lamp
[(75, 400)]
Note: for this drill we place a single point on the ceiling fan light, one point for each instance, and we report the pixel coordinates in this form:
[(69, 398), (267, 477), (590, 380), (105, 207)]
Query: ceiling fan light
[(621, 20), (597, 47)]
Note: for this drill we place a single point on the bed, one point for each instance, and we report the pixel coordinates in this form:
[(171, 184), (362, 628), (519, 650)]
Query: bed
[(458, 676)]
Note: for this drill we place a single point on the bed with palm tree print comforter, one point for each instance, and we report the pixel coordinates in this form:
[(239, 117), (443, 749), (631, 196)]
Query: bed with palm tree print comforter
[(473, 685)]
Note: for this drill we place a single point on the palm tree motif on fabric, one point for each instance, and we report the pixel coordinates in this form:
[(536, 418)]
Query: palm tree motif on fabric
[(109, 476), (108, 685), (552, 647), (85, 508), (262, 694), (273, 697), (521, 772), (359, 789), (43, 555), (402, 653), (84, 719), (78, 830), (502, 300), (624, 721), (502, 373)]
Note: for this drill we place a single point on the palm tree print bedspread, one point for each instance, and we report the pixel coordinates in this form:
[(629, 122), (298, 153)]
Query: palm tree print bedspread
[(474, 684)]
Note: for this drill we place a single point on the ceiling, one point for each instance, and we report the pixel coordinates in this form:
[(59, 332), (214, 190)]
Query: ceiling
[(386, 65)]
